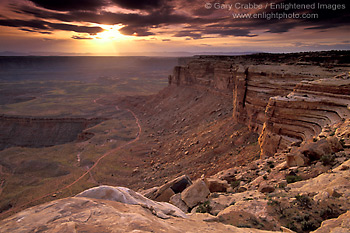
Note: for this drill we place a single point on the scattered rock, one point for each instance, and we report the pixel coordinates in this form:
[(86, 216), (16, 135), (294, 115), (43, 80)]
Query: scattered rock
[(266, 188), (296, 159), (195, 194), (177, 185), (228, 175), (165, 195), (216, 185), (178, 202), (333, 193)]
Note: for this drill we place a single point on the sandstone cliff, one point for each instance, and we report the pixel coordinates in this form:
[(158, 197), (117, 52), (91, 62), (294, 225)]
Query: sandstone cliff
[(302, 114), (262, 84)]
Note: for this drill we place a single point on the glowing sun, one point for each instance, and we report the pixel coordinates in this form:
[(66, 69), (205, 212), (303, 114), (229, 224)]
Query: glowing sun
[(111, 32)]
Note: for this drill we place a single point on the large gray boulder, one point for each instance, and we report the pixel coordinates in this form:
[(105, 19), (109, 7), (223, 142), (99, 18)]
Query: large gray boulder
[(128, 196)]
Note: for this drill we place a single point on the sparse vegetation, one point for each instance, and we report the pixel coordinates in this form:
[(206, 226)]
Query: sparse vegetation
[(308, 225), (204, 207), (293, 178), (235, 183), (273, 202), (303, 200), (327, 159), (292, 226)]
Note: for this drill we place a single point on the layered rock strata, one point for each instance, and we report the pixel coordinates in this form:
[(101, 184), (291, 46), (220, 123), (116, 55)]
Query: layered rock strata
[(302, 114), (287, 99)]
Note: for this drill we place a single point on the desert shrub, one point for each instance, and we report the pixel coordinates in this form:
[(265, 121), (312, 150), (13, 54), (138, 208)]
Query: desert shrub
[(204, 208), (292, 226), (244, 226), (327, 159), (327, 213), (308, 226), (235, 183), (298, 218), (292, 178), (303, 200)]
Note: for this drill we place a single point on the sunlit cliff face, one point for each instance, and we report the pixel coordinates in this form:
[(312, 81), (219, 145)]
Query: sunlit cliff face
[(114, 27)]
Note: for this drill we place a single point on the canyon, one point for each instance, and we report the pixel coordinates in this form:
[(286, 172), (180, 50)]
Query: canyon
[(260, 142)]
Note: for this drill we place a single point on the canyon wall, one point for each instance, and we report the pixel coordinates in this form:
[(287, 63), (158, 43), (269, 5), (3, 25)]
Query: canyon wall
[(42, 132), (205, 72), (285, 98), (302, 114)]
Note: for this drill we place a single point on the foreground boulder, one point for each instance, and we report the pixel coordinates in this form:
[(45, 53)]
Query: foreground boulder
[(196, 193), (166, 191), (217, 185), (128, 196), (83, 214)]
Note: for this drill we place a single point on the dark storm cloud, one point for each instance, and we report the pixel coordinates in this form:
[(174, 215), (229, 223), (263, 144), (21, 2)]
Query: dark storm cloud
[(36, 24), (43, 25), (196, 21), (31, 30), (193, 35), (324, 19), (139, 4), (137, 31), (135, 24), (75, 28), (70, 5)]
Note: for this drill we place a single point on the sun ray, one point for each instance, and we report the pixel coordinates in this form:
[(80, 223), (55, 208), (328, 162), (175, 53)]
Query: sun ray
[(111, 32)]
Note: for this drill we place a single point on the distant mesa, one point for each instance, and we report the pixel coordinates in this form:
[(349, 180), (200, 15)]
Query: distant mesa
[(43, 132)]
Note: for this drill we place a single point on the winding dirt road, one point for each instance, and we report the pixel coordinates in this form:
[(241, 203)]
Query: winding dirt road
[(92, 167)]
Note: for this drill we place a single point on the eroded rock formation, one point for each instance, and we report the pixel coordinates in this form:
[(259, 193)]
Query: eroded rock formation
[(302, 114), (286, 99)]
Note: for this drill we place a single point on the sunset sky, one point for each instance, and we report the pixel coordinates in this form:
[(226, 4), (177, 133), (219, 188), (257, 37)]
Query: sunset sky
[(131, 27)]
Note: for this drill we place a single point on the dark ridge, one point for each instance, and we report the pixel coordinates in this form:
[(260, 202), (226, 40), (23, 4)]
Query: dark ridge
[(42, 132)]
